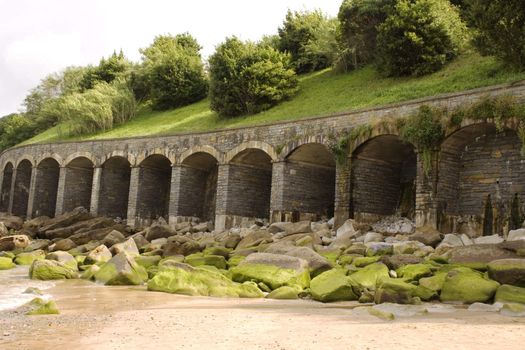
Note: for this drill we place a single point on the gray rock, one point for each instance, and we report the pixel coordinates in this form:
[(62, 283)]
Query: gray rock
[(452, 240), (13, 242), (426, 235), (100, 254), (139, 239), (347, 230), (63, 244), (466, 240), (159, 231), (255, 238), (128, 246), (64, 258), (482, 253), (393, 225), (515, 235), (281, 261), (113, 238), (316, 262), (399, 310), (373, 237), (481, 307), (494, 239)]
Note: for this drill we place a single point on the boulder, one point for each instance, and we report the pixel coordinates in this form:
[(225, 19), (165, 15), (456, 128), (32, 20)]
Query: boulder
[(29, 257), (333, 285), (128, 246), (64, 258), (39, 306), (231, 240), (159, 231), (414, 272), (399, 310), (98, 234), (390, 290), (113, 238), (217, 250), (494, 239), (316, 262), (283, 292), (367, 277), (379, 248), (516, 235), (51, 270), (510, 294), (508, 271), (394, 225), (394, 262), (283, 229), (4, 231), (347, 230), (140, 240), (273, 270), (363, 261), (63, 244), (467, 286), (6, 263), (255, 238), (373, 237), (65, 219), (148, 261), (202, 227), (78, 228), (513, 310), (38, 244), (408, 247), (478, 256), (201, 282), (121, 270), (180, 245), (451, 240), (100, 254), (11, 222), (466, 240), (434, 283), (13, 242), (199, 259), (426, 235)]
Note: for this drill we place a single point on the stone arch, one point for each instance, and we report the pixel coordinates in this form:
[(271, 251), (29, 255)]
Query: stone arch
[(158, 151), (290, 146), (153, 188), (48, 155), (197, 186), (212, 151), (383, 180), (263, 146), (476, 161), (307, 187), (118, 153), (22, 185), (46, 187), (7, 179), (78, 181), (25, 158), (81, 154), (114, 187)]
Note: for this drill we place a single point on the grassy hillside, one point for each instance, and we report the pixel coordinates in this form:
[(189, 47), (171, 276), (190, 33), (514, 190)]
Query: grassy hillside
[(321, 93)]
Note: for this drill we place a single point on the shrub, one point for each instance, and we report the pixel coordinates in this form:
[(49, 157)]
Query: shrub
[(500, 29), (247, 78), (419, 37), (115, 66)]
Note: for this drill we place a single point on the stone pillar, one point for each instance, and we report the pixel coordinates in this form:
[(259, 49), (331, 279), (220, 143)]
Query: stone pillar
[(277, 206), (221, 206), (343, 195), (12, 191), (426, 187), (61, 191), (175, 195), (132, 219), (95, 190), (32, 191)]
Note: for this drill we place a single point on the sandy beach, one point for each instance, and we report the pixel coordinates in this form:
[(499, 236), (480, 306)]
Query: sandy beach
[(98, 317)]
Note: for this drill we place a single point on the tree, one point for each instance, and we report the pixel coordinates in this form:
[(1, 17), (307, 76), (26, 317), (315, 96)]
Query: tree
[(172, 74), (359, 20), (419, 37), (499, 29), (299, 30), (247, 78), (15, 128), (115, 66)]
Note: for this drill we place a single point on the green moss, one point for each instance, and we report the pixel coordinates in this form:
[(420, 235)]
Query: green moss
[(331, 255), (39, 306), (333, 285), (273, 276), (200, 259), (414, 272), (368, 276), (366, 260), (510, 294), (218, 250), (467, 287), (89, 273), (387, 316), (6, 263), (121, 270), (29, 257), (391, 290), (425, 293), (235, 260), (51, 270), (148, 261), (283, 292)]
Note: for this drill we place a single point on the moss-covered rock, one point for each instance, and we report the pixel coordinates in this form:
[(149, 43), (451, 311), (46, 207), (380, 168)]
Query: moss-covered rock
[(391, 290), (201, 282), (283, 292), (89, 272), (121, 270), (333, 285), (272, 276), (65, 258), (365, 261), (235, 260), (29, 257), (414, 272), (218, 250), (39, 306), (148, 261), (199, 259), (467, 286), (6, 263), (99, 255), (368, 276), (508, 271), (425, 293), (435, 282), (513, 310), (378, 249), (510, 294), (51, 270), (330, 254)]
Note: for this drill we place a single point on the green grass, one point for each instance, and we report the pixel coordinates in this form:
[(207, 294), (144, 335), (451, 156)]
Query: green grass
[(321, 93)]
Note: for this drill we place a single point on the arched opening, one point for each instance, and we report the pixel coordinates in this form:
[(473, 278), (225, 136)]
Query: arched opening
[(383, 178), (154, 188), (114, 188), (6, 187), (198, 186), (22, 183), (481, 174), (250, 184), (309, 179), (78, 184), (46, 186)]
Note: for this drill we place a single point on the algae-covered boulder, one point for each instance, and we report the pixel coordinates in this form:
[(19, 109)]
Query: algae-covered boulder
[(39, 306), (513, 310), (435, 282), (379, 248), (316, 263), (414, 272), (273, 270), (365, 260), (508, 271), (6, 263), (29, 257), (100, 254), (391, 290), (89, 272), (333, 285), (467, 286), (283, 292), (510, 294), (197, 281), (65, 258), (367, 277), (128, 246), (51, 270), (199, 259), (148, 261), (121, 270), (478, 256)]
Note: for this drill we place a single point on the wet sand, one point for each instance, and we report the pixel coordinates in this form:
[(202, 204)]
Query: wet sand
[(97, 317)]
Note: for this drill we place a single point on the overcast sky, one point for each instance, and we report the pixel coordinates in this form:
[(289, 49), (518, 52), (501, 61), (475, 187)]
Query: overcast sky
[(40, 37)]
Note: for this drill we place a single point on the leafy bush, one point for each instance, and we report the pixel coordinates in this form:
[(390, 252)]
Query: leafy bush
[(115, 66), (500, 28), (172, 74), (420, 37), (358, 30), (247, 78), (303, 29), (15, 128)]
